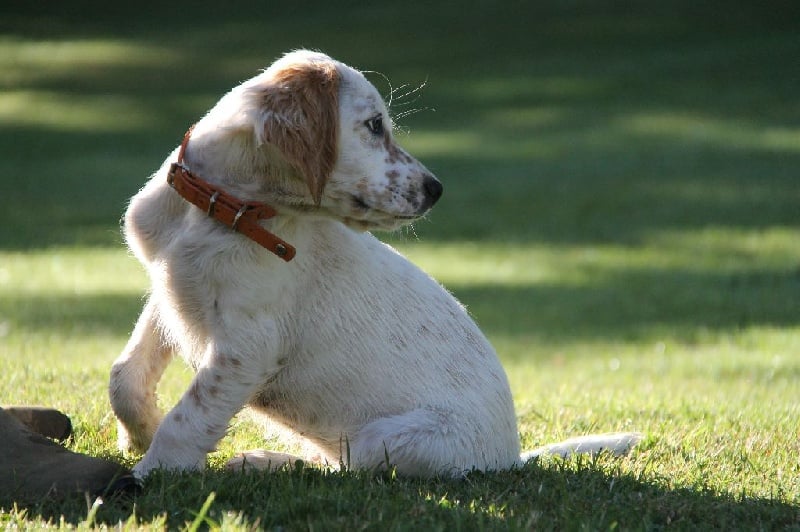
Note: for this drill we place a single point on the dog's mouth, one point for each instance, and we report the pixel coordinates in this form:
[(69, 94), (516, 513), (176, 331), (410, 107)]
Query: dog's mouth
[(366, 216), (362, 207)]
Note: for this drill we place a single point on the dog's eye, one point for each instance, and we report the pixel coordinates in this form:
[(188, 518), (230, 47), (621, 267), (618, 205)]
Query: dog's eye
[(375, 125)]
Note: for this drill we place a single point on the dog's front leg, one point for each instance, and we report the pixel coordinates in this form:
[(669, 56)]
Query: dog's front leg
[(191, 430), (134, 376)]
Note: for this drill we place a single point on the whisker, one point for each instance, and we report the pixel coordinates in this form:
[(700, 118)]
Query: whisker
[(412, 231), (388, 82), (413, 91), (413, 111), (401, 97), (401, 129)]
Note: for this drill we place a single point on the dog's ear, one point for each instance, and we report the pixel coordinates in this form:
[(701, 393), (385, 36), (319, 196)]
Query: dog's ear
[(300, 107)]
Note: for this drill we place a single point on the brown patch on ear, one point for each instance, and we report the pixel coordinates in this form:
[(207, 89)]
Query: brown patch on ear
[(303, 104)]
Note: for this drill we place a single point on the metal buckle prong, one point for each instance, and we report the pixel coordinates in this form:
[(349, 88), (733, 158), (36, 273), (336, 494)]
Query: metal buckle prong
[(212, 202), (238, 216)]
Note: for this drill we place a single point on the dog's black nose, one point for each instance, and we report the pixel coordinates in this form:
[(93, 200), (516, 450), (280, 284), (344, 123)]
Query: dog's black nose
[(433, 190)]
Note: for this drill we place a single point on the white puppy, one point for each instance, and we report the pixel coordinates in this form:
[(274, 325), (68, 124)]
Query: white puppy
[(295, 310)]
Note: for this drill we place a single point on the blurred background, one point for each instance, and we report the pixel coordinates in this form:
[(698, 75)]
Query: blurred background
[(611, 169), (554, 121)]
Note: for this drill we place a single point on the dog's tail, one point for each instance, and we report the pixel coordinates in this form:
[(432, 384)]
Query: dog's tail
[(616, 443)]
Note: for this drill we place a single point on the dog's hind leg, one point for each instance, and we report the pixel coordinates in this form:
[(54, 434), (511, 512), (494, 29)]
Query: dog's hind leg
[(134, 377), (616, 443), (431, 441)]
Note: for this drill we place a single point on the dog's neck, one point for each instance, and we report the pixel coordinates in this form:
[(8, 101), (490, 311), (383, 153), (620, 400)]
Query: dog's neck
[(241, 216)]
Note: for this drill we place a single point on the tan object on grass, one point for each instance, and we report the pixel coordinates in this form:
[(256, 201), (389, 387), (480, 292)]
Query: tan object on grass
[(33, 467)]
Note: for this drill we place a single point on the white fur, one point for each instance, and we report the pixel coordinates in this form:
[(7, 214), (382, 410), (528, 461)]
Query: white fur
[(349, 346)]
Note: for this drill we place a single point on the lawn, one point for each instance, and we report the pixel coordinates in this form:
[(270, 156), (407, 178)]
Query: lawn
[(621, 216)]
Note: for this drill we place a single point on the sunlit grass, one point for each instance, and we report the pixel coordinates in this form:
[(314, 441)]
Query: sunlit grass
[(57, 111), (539, 124), (713, 250), (699, 129), (24, 61), (79, 271)]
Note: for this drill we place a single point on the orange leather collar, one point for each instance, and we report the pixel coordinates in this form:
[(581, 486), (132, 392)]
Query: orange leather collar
[(241, 216)]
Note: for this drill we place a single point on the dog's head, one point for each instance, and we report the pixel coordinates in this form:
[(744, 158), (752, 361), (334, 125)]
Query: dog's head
[(314, 136)]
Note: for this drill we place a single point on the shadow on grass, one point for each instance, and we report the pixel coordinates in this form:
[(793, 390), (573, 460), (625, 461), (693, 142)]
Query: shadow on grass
[(610, 197), (70, 314), (573, 494), (637, 305), (68, 188)]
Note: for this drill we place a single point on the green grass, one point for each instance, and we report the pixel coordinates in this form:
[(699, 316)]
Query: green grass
[(621, 216)]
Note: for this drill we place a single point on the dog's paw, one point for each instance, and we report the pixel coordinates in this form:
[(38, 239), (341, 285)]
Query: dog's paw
[(260, 459)]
